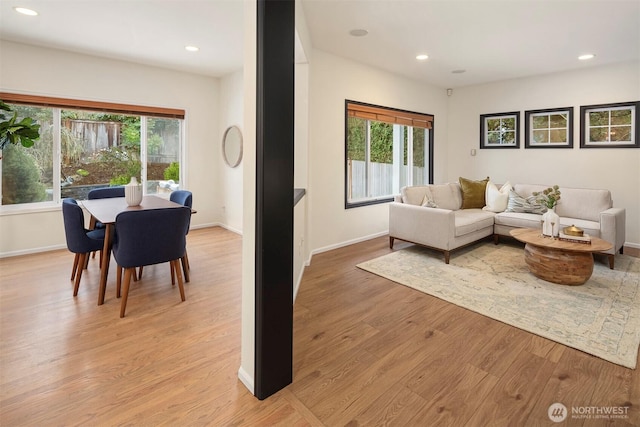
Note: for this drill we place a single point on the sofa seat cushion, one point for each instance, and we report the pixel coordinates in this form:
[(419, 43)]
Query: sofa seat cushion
[(470, 220), (528, 220), (518, 220)]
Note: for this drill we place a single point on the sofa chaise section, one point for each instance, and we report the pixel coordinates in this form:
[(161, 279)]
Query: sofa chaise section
[(445, 227), (590, 209)]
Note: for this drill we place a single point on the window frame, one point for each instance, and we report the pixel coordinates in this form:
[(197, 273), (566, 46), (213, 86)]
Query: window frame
[(389, 115), (529, 115), (59, 104), (634, 106), (484, 134)]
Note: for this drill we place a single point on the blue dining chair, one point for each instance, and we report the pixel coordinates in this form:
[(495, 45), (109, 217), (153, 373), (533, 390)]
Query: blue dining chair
[(80, 241), (103, 193), (106, 193), (149, 237), (185, 198)]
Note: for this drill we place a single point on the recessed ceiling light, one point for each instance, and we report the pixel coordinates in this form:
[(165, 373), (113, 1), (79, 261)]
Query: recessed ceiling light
[(422, 57), (25, 11), (359, 32), (586, 56), (192, 48), (458, 71)]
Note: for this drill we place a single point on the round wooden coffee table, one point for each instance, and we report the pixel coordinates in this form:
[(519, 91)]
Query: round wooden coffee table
[(557, 261)]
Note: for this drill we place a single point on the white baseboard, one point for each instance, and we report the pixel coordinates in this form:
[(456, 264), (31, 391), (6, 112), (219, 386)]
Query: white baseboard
[(631, 245), (296, 285), (32, 251), (217, 224), (346, 243), (307, 263), (246, 379)]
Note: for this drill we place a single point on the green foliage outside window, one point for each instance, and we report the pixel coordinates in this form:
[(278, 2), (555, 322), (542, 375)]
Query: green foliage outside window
[(15, 130), (172, 172), (356, 138), (20, 177), (381, 142)]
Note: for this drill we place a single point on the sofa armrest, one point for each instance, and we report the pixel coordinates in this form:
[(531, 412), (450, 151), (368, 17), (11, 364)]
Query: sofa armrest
[(613, 227), (427, 226)]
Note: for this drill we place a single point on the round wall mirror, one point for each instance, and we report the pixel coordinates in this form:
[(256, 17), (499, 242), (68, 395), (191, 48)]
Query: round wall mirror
[(232, 146)]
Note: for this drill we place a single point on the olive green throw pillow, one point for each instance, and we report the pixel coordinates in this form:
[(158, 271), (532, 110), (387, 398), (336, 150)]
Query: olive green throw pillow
[(473, 193)]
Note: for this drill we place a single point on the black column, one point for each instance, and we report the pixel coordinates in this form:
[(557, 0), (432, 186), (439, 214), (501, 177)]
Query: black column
[(274, 196)]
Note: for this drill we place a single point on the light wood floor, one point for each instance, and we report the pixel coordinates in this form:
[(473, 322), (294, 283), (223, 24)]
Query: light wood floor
[(367, 352)]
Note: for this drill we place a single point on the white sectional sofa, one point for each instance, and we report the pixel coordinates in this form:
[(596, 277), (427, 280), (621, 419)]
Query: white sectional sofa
[(448, 226)]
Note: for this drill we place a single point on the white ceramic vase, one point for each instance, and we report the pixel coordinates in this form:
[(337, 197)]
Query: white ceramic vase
[(551, 223), (133, 192)]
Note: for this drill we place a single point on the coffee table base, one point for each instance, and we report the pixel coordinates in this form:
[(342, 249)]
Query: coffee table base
[(557, 266)]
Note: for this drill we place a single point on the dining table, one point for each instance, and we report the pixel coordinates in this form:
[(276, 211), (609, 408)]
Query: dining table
[(106, 211)]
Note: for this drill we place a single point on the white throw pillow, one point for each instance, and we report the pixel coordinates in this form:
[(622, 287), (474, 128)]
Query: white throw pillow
[(496, 199)]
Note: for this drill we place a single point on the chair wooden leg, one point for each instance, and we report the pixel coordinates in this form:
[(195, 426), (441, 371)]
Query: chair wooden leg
[(125, 293), (79, 268), (185, 267), (391, 242), (118, 281), (186, 258), (611, 261), (139, 274), (75, 266), (176, 267), (173, 273)]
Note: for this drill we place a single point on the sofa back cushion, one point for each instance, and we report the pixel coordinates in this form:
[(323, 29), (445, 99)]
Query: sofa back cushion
[(445, 196), (415, 195), (583, 203), (579, 203)]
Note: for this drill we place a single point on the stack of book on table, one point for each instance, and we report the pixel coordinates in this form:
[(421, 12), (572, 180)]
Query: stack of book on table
[(585, 239)]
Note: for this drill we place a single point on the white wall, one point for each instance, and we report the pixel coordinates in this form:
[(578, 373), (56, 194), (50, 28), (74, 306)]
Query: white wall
[(301, 251), (246, 372), (301, 169), (616, 169), (229, 201), (332, 80), (48, 72)]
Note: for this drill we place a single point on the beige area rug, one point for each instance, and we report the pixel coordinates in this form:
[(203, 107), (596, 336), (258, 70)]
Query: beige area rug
[(601, 317)]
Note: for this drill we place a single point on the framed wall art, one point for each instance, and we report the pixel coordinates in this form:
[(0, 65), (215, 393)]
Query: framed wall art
[(500, 130), (610, 125), (550, 128)]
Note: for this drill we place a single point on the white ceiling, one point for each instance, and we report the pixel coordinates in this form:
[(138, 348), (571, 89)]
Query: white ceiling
[(491, 40), (152, 32)]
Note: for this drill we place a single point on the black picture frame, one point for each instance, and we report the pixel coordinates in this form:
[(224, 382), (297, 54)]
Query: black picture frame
[(528, 125), (487, 129), (634, 131)]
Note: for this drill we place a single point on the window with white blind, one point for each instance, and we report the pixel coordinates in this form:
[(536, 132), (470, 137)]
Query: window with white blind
[(385, 150)]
